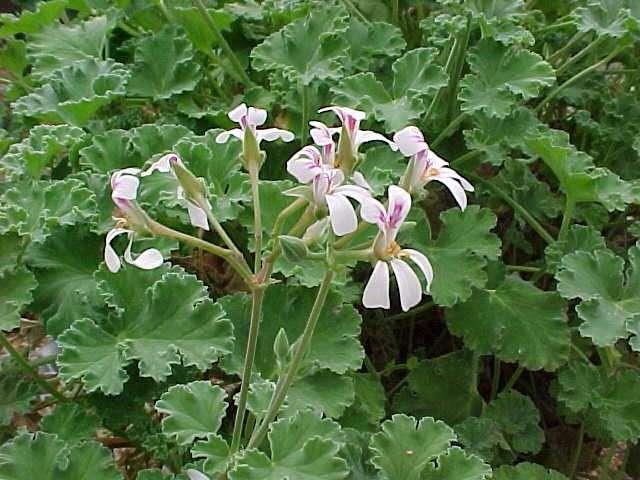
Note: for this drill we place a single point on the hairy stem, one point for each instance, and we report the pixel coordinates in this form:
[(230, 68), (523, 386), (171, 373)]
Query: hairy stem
[(257, 215), (514, 378), (567, 217), (495, 381), (304, 98), (578, 56), (29, 369), (450, 129), (575, 459), (302, 345), (458, 65)]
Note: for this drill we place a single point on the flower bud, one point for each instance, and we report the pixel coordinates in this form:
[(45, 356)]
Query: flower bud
[(251, 154), (281, 349), (192, 186), (136, 218), (345, 158), (293, 248)]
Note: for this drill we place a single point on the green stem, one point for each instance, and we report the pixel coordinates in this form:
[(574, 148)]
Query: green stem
[(29, 369), (567, 217), (523, 268), (579, 76), (555, 26), (530, 219), (450, 129), (558, 53), (304, 97), (301, 349), (570, 61), (242, 75), (395, 12), (466, 157), (254, 178), (575, 459), (458, 65), (514, 378), (447, 68), (495, 382), (350, 6), (473, 385), (220, 230), (252, 342)]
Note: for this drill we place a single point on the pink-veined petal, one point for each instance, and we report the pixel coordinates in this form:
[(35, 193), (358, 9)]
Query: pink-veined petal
[(434, 160), (423, 262), (256, 116), (376, 293), (360, 181), (364, 136), (373, 211), (111, 258), (399, 206), (359, 194), (321, 134), (238, 113), (223, 137), (125, 187), (147, 260), (344, 112), (196, 475), (303, 169), (408, 284), (410, 141), (271, 134), (125, 171), (455, 188), (342, 214), (451, 173), (197, 216)]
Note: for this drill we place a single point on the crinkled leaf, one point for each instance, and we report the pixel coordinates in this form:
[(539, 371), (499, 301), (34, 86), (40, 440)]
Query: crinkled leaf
[(456, 464), (368, 43), (291, 51), (303, 447), (197, 29), (74, 93), (11, 248), (610, 305), (499, 75), (527, 471), (368, 408), (157, 324), (15, 294), (517, 322), (13, 57), (32, 21), (324, 391), (163, 66), (194, 410), (71, 423), (215, 452), (606, 18), (403, 448), (16, 394)]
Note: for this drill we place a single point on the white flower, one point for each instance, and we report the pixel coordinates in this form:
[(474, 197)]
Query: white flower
[(389, 220), (124, 184), (328, 191), (197, 215), (196, 475), (251, 118), (426, 166), (351, 119)]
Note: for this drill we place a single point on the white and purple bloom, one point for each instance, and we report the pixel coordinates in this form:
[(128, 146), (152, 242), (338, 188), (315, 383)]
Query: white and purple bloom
[(351, 119), (166, 164), (249, 118), (124, 186), (389, 220), (426, 166)]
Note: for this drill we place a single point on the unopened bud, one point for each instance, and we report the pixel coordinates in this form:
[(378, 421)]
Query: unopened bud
[(192, 186), (345, 157), (281, 349), (136, 218), (293, 248), (251, 154)]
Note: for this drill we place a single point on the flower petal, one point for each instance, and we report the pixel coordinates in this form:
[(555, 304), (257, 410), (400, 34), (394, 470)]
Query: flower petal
[(321, 134), (147, 260), (410, 141), (455, 188), (373, 211), (271, 134), (162, 165), (237, 113), (256, 116), (125, 187), (399, 206), (450, 172), (423, 262), (342, 214), (197, 216), (359, 194), (434, 160), (344, 112), (303, 169), (376, 293), (223, 137), (196, 475), (408, 284), (364, 136), (360, 181), (111, 258)]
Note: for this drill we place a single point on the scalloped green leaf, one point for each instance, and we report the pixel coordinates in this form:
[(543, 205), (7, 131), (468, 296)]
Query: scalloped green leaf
[(606, 18), (46, 457), (32, 21), (157, 324), (405, 447), (71, 423), (43, 149), (291, 52), (11, 249), (459, 254), (197, 29), (303, 447), (163, 66), (368, 407), (59, 45), (215, 452), (323, 391), (15, 295), (610, 305), (527, 471), (369, 43), (517, 322), (499, 75), (16, 394), (74, 93), (192, 411), (456, 464), (334, 345)]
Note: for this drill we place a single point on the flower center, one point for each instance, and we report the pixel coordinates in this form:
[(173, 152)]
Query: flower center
[(430, 172), (393, 249)]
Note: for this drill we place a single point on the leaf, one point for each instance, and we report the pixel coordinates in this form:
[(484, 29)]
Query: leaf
[(60, 45), (455, 464), (74, 93), (194, 410), (45, 457), (63, 266), (158, 324), (414, 76), (334, 345), (607, 18), (527, 471), (70, 423), (11, 249), (309, 48), (13, 57), (32, 21), (442, 388), (215, 451), (403, 448), (163, 66), (610, 304), (499, 75), (372, 42), (302, 447), (578, 178), (368, 408), (324, 392), (44, 148), (516, 322), (15, 295), (16, 395), (459, 254), (197, 29)]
